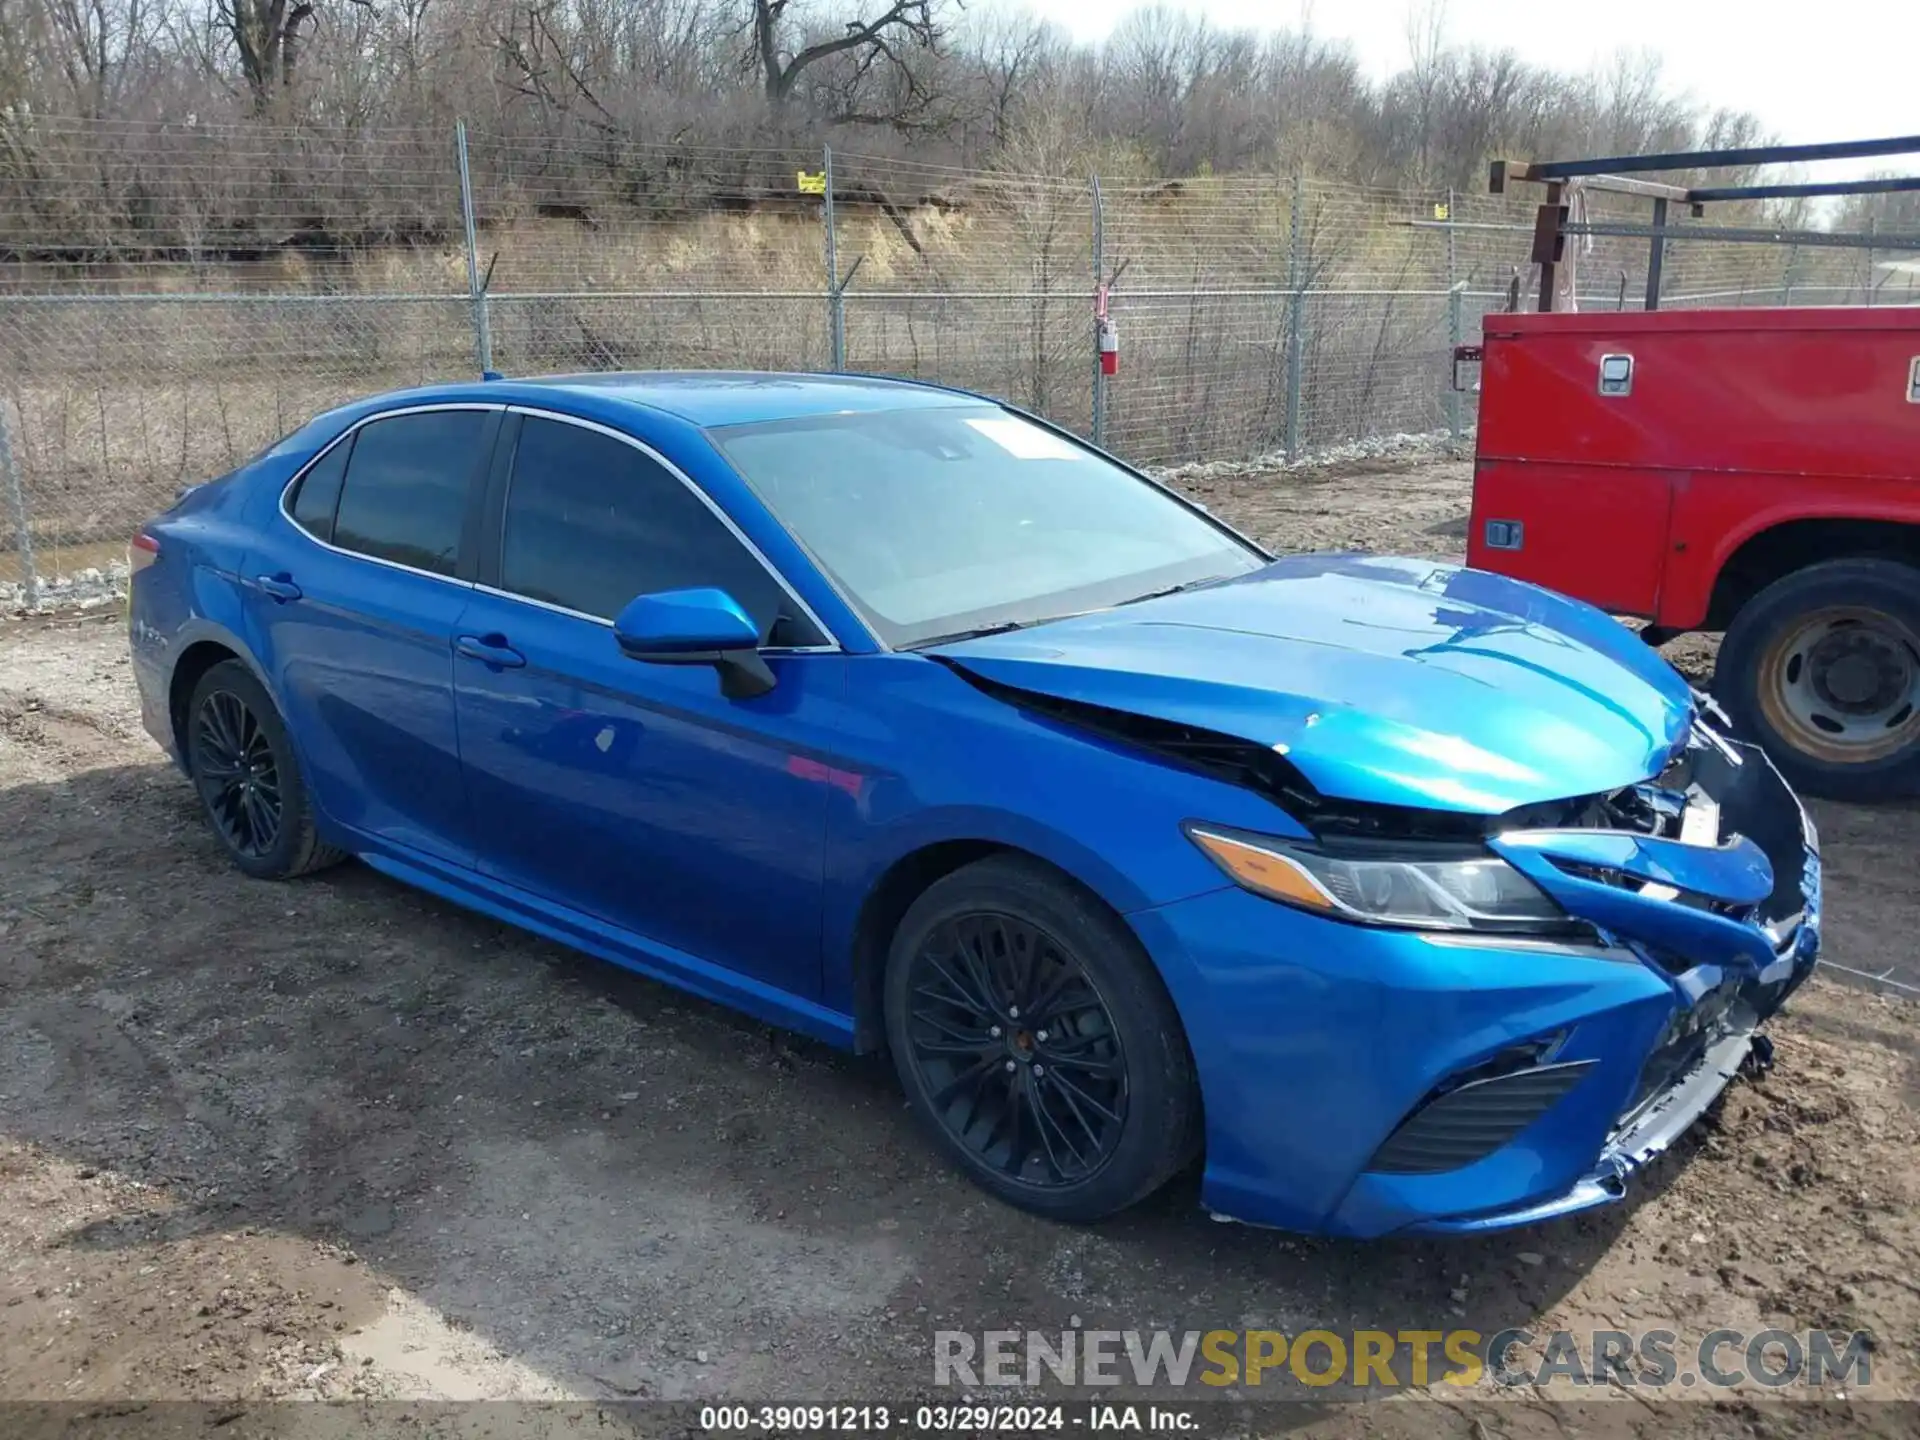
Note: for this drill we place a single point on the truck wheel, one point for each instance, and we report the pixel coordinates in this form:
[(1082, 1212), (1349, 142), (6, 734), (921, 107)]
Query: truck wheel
[(1823, 669)]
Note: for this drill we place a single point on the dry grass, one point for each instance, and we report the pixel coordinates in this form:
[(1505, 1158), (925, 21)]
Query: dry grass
[(117, 402)]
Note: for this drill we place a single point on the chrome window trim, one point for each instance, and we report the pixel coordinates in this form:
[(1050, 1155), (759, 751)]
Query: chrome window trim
[(827, 577), (601, 620), (353, 429), (832, 647)]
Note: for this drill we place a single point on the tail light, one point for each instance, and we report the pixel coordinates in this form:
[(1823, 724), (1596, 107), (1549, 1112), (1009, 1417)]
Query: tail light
[(142, 551)]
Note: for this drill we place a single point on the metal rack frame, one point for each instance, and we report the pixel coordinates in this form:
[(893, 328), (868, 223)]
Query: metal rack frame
[(1618, 174)]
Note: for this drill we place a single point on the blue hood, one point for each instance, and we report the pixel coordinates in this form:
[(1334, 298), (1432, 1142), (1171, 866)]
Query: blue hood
[(1400, 682)]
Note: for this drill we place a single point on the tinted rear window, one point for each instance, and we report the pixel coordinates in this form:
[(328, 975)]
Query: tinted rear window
[(405, 495), (319, 493)]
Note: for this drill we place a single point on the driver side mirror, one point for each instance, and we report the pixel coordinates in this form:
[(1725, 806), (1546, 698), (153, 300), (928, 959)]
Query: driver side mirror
[(696, 627)]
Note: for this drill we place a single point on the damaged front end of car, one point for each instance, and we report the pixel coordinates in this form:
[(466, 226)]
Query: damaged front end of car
[(1709, 876), (1596, 990), (1438, 995)]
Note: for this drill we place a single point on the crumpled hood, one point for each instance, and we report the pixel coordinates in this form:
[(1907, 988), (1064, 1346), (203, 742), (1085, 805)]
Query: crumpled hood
[(1402, 682)]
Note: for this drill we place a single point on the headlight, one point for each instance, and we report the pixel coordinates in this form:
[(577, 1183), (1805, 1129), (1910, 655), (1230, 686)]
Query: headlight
[(1462, 892)]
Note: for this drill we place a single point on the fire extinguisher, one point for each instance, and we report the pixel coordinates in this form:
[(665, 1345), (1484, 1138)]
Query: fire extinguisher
[(1109, 341)]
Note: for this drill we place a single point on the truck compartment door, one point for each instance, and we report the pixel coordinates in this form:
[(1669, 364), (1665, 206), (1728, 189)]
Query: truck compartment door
[(1597, 532)]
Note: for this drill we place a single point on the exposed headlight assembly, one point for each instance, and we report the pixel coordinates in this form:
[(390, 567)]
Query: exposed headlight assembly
[(1405, 888)]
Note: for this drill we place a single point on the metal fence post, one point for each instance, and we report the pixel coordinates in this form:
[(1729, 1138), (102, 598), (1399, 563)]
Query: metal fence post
[(1099, 280), (17, 504), (1656, 256), (476, 293), (836, 293), (1454, 288), (1296, 314), (1873, 229)]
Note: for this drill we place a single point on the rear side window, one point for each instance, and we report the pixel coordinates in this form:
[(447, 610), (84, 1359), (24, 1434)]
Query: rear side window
[(404, 497), (592, 522), (319, 493)]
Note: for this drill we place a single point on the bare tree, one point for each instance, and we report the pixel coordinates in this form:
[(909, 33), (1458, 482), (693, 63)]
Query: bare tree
[(539, 48), (1428, 59), (267, 37), (1152, 57), (1008, 48), (880, 39), (95, 42), (1166, 93)]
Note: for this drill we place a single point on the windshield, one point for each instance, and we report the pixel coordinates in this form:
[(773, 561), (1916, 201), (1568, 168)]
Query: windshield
[(944, 522)]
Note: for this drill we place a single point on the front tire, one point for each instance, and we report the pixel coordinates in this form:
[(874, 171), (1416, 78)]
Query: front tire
[(248, 777), (1823, 669), (1036, 1042)]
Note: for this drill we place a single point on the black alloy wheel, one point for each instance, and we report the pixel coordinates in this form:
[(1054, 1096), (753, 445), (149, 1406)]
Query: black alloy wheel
[(1037, 1042), (238, 776), (248, 777), (1018, 1052)]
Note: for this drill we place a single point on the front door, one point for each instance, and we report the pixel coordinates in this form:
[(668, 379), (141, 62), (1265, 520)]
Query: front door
[(633, 792)]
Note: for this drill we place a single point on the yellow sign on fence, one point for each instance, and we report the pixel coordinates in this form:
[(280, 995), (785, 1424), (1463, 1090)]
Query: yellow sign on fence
[(811, 182)]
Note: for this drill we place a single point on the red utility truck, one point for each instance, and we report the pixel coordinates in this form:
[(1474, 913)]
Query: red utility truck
[(1753, 471)]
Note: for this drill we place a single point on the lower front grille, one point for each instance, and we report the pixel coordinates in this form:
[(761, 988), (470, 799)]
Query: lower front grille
[(1457, 1127)]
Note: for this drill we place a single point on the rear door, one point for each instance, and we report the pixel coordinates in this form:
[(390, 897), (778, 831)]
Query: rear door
[(352, 598), (638, 793)]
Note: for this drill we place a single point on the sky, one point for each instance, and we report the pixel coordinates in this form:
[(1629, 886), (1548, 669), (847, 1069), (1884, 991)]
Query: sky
[(1849, 75)]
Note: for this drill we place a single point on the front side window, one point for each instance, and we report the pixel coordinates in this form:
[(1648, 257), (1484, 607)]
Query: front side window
[(404, 496), (943, 522), (591, 523)]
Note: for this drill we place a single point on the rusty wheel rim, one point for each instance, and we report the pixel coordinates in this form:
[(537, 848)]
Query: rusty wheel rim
[(1842, 685)]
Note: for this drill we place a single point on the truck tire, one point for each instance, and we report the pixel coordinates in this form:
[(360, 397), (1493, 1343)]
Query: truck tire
[(1822, 668)]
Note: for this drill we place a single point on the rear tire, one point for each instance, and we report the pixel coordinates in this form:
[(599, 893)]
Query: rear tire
[(248, 778), (1822, 668), (1075, 1106)]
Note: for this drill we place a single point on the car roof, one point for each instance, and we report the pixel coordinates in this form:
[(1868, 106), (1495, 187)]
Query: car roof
[(713, 398)]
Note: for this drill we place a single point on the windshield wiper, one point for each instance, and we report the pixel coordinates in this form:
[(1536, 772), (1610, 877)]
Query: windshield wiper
[(958, 635), (1200, 584), (1160, 594)]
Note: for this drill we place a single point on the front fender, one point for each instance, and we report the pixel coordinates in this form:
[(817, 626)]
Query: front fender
[(888, 846), (860, 870)]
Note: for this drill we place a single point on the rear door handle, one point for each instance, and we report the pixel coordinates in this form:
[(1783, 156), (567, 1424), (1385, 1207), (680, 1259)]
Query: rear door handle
[(280, 587), (490, 650)]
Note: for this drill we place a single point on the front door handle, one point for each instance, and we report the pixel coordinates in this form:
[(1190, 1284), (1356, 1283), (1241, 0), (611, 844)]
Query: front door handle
[(490, 650), (280, 587)]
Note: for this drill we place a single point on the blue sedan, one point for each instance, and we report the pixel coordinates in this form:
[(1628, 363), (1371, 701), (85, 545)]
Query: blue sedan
[(1402, 896)]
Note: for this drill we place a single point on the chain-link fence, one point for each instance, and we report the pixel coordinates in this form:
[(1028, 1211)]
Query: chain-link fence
[(175, 297)]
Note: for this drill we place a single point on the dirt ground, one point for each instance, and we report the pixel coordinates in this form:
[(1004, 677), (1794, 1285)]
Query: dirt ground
[(336, 1139)]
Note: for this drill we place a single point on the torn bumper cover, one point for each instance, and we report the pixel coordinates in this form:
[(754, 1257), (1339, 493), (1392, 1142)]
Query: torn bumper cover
[(1722, 900), (1670, 1114), (1504, 1079)]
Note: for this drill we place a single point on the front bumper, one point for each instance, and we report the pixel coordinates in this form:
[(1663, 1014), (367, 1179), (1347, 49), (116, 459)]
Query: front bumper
[(1643, 1136), (1312, 1063)]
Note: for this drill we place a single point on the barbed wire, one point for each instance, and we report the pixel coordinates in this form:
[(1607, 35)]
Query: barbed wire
[(175, 296)]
